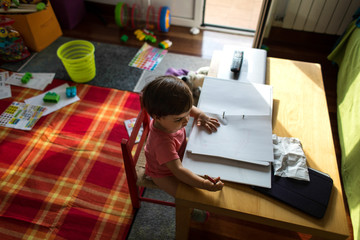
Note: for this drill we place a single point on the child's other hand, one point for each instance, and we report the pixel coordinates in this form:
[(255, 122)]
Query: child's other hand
[(210, 124), (208, 185)]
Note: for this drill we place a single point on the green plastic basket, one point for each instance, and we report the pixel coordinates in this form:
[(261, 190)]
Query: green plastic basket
[(78, 59)]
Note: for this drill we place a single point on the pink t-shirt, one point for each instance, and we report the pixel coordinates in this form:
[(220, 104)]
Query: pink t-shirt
[(162, 147)]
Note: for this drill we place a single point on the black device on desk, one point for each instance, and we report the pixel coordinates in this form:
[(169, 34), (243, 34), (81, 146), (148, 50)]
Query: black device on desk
[(237, 61), (310, 197)]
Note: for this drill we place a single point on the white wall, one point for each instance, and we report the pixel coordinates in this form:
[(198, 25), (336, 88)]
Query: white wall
[(183, 12), (321, 16)]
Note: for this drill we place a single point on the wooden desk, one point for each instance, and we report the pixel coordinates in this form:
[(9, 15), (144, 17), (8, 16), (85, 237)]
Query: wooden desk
[(300, 111)]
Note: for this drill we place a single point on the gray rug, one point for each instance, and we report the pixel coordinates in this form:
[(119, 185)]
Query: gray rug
[(154, 221), (177, 61), (111, 62)]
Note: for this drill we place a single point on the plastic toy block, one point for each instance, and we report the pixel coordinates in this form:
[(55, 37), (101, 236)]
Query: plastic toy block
[(51, 97), (165, 44), (26, 78), (71, 91), (124, 38)]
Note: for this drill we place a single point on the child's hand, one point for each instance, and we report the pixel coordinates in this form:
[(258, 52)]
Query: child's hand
[(210, 124), (208, 185)]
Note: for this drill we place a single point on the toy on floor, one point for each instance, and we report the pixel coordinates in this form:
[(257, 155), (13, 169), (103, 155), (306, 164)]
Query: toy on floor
[(145, 35), (124, 38), (131, 16), (71, 91), (26, 78), (165, 44), (51, 97)]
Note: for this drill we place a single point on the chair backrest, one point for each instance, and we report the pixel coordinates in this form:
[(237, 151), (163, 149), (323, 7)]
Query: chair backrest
[(131, 158)]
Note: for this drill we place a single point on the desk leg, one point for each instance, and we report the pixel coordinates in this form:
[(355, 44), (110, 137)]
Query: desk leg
[(183, 216)]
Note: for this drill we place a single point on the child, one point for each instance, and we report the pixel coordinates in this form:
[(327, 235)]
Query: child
[(168, 100)]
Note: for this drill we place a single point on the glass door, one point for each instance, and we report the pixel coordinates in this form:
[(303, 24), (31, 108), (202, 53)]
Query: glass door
[(242, 15)]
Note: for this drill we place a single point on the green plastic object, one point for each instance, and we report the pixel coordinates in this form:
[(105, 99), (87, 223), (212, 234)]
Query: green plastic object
[(40, 6), (51, 97), (26, 78), (124, 38), (121, 14)]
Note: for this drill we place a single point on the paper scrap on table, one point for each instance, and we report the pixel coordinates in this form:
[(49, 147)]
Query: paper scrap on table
[(51, 107), (289, 158), (5, 89), (38, 81), (21, 116)]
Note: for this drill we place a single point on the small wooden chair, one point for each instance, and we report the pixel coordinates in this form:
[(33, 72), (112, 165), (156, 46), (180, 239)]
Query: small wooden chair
[(135, 163)]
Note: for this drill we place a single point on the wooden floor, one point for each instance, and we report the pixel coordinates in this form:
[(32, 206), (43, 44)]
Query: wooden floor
[(291, 45)]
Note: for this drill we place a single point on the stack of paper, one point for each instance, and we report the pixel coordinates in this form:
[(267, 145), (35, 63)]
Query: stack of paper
[(38, 81), (245, 135)]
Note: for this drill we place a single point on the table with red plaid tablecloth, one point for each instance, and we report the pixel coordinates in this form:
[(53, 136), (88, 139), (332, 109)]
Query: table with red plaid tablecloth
[(65, 178)]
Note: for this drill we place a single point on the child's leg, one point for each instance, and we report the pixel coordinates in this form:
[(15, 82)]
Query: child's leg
[(168, 184)]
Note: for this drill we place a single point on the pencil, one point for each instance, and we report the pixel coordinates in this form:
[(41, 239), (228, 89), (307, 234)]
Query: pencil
[(210, 179)]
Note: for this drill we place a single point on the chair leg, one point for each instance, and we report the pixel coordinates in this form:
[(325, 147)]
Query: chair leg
[(134, 195)]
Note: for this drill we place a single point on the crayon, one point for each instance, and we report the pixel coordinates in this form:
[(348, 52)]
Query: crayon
[(210, 179)]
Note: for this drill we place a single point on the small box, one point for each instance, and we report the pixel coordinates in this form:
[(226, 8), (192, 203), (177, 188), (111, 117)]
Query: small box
[(69, 12), (38, 29)]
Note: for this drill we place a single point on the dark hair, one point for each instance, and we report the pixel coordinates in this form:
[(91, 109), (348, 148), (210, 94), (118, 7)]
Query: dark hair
[(166, 95)]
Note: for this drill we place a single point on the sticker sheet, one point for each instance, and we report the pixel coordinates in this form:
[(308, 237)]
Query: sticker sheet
[(129, 125), (21, 116), (148, 57)]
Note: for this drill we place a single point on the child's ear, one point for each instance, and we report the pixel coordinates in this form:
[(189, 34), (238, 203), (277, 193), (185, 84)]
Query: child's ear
[(155, 117)]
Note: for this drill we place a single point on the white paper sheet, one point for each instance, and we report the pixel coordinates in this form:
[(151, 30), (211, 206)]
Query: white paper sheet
[(243, 139), (235, 98), (51, 107), (228, 170), (38, 81), (5, 89)]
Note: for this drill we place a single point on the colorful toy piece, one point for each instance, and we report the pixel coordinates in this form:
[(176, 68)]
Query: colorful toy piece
[(26, 78), (165, 44), (51, 97), (71, 91), (145, 35), (164, 19), (122, 14), (124, 38)]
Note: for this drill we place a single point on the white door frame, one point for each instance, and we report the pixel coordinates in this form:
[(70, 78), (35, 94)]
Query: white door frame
[(196, 21)]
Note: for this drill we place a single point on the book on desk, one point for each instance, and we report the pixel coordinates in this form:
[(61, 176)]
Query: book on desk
[(241, 150)]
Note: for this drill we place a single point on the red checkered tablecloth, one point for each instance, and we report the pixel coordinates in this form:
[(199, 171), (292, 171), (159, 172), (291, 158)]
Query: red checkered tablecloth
[(65, 178)]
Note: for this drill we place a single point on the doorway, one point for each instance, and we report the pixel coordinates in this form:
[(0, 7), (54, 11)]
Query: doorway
[(242, 15)]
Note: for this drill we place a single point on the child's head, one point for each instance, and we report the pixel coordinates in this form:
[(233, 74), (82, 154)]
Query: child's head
[(166, 95)]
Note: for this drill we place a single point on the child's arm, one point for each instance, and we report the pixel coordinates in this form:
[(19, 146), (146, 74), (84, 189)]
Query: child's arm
[(211, 124), (188, 177)]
